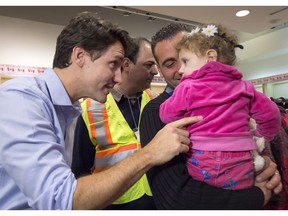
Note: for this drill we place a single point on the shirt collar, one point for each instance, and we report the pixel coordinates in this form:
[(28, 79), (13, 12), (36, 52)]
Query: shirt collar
[(117, 95), (169, 89), (58, 94)]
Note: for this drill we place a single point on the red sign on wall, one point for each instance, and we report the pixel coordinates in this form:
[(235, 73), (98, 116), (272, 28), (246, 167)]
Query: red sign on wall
[(21, 70)]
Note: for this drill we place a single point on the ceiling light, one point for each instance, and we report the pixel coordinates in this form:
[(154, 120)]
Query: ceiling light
[(242, 13)]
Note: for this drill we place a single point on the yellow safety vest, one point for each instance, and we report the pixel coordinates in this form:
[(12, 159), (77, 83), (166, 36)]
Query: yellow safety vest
[(114, 140)]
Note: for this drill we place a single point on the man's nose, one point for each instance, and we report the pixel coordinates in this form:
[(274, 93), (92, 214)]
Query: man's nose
[(118, 76), (154, 70)]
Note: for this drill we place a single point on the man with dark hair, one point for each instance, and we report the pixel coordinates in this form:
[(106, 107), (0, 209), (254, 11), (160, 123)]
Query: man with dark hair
[(107, 133), (36, 112), (171, 185)]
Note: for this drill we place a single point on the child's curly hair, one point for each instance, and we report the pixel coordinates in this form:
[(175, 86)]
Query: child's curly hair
[(222, 42)]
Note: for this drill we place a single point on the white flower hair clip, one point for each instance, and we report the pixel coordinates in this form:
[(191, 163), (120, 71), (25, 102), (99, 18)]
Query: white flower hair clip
[(210, 30), (196, 30)]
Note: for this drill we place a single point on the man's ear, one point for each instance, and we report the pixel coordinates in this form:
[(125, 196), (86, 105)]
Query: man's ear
[(211, 55), (126, 64), (78, 55)]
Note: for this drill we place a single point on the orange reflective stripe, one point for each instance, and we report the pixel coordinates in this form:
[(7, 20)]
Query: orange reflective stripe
[(90, 118), (117, 150), (149, 94), (107, 128)]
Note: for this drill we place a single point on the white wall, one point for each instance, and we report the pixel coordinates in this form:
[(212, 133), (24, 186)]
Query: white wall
[(278, 89), (259, 88), (274, 46), (27, 43)]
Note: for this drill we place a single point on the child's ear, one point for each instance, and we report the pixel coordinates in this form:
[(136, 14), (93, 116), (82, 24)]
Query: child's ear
[(211, 55)]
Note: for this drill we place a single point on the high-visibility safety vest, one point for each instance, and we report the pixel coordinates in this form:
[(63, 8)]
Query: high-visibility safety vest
[(113, 139)]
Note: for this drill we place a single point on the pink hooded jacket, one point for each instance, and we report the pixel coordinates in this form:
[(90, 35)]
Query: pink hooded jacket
[(226, 103)]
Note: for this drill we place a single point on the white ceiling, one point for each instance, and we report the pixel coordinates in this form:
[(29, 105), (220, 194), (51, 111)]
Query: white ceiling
[(261, 20)]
